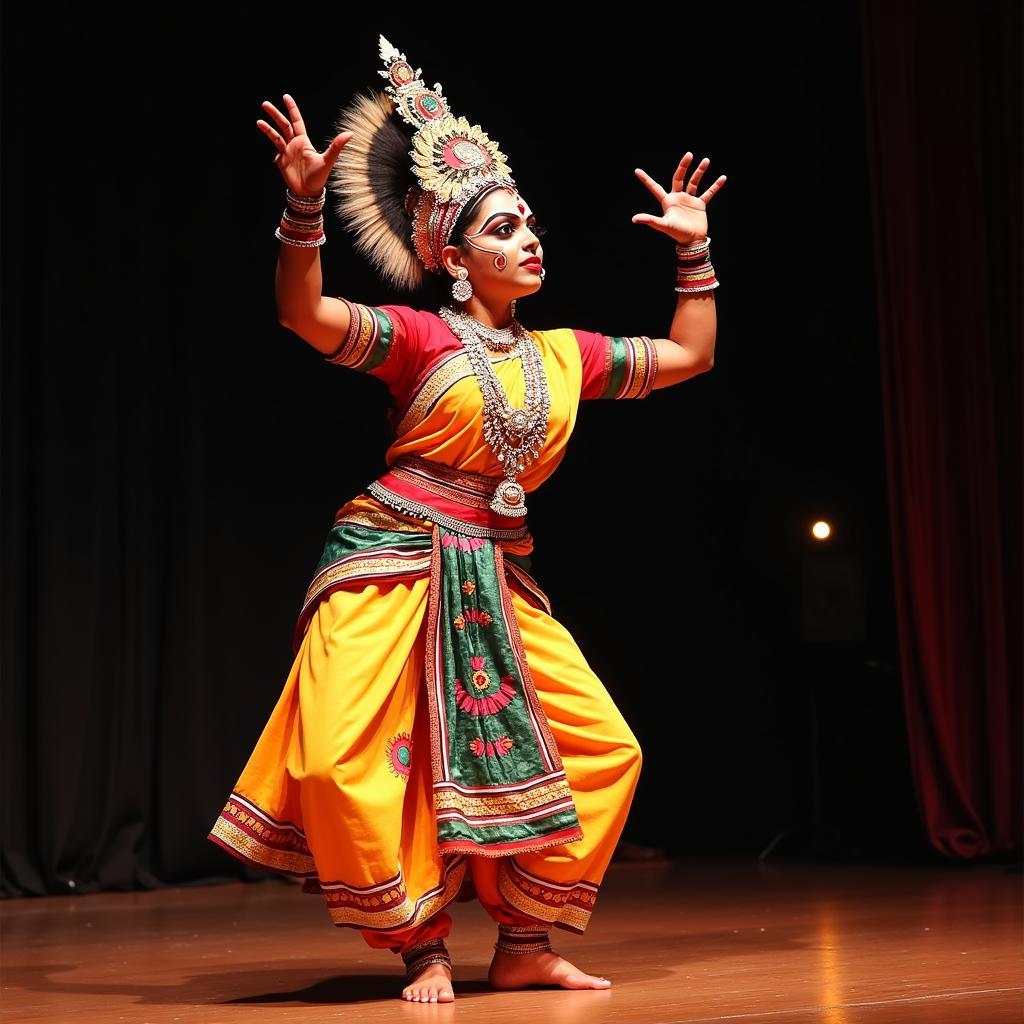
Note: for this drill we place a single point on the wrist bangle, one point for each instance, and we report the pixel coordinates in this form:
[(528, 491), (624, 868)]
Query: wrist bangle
[(302, 222), (312, 203), (694, 272)]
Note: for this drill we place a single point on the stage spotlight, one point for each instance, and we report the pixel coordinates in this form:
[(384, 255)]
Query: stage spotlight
[(821, 530)]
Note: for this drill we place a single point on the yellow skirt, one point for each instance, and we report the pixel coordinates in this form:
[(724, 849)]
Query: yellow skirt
[(338, 790)]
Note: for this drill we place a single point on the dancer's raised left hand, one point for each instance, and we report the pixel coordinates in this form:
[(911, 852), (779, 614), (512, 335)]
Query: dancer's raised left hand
[(684, 215)]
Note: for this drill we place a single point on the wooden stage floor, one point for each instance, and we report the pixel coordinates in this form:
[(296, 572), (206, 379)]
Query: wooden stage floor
[(691, 941)]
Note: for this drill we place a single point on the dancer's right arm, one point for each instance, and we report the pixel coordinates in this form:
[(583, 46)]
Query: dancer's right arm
[(321, 320), (318, 319)]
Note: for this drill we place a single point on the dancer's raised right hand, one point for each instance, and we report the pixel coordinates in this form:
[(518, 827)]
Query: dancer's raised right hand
[(305, 171)]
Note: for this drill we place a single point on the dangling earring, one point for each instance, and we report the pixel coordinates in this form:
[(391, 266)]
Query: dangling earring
[(462, 289), (513, 311)]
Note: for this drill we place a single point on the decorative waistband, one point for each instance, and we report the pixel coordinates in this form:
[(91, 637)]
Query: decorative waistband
[(454, 498)]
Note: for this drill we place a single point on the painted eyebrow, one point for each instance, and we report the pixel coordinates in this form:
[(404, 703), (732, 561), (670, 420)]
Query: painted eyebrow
[(503, 213)]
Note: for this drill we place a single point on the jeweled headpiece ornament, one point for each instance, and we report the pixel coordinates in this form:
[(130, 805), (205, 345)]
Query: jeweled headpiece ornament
[(403, 225)]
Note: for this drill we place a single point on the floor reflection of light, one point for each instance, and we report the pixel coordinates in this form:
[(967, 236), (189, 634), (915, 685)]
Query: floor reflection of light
[(829, 970)]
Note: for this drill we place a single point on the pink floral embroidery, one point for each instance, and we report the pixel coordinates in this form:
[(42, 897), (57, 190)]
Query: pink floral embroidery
[(463, 543), (500, 746), (476, 615), (489, 705)]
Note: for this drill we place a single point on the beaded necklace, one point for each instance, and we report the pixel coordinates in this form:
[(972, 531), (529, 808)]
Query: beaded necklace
[(514, 435)]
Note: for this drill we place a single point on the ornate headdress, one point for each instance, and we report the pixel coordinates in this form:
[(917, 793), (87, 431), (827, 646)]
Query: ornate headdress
[(402, 225)]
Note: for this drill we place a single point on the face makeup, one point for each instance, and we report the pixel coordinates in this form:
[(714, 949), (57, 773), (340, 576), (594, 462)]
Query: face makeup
[(533, 264)]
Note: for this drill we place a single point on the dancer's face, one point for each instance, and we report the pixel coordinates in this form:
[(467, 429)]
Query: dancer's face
[(505, 226)]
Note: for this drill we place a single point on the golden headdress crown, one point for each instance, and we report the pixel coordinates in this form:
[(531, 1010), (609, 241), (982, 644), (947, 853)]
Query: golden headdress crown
[(453, 163)]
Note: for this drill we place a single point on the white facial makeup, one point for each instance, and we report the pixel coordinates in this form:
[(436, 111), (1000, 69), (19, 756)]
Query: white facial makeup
[(500, 259)]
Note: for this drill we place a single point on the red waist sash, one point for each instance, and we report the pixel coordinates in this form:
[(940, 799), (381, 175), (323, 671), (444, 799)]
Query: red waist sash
[(450, 497)]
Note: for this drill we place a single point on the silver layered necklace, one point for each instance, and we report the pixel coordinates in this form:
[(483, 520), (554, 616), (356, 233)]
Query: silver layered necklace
[(516, 436)]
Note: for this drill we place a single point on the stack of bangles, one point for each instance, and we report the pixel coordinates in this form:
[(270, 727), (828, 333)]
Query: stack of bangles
[(302, 222), (694, 272)]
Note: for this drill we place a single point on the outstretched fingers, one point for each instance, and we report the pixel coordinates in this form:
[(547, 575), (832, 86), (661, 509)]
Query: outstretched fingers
[(680, 176), (658, 191), (336, 145), (713, 189), (276, 139), (282, 122), (294, 116), (691, 185), (648, 218)]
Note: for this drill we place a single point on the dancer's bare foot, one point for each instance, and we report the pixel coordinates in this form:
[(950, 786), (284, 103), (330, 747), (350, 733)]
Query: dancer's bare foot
[(517, 970), (432, 985)]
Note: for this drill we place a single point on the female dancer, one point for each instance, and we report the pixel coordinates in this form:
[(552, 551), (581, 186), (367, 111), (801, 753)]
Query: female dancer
[(440, 735)]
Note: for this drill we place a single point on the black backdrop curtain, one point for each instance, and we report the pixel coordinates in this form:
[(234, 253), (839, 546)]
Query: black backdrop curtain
[(172, 457), (944, 117)]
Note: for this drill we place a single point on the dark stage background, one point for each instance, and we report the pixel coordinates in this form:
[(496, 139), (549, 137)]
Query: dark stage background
[(173, 457)]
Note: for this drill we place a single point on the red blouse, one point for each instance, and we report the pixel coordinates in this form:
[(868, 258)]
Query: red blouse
[(395, 343)]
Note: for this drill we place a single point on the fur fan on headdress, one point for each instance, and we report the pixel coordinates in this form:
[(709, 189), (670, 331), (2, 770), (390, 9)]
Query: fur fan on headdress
[(371, 179)]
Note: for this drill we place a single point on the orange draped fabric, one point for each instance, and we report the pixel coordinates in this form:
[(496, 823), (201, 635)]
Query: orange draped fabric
[(337, 790)]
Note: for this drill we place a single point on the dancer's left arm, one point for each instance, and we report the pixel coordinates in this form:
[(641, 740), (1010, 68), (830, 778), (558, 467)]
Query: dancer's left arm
[(690, 347)]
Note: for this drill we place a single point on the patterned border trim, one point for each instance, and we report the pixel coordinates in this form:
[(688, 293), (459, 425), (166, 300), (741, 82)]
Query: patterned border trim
[(388, 904), (433, 382), (250, 834), (472, 489), (630, 367), (401, 503), (369, 339), (247, 832), (465, 803), (383, 519), (567, 906), (374, 564), (523, 665)]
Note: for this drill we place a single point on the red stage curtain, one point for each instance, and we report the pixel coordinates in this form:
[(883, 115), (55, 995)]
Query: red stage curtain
[(943, 122)]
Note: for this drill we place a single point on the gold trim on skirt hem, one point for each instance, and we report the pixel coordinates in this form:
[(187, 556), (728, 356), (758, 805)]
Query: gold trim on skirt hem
[(251, 835), (564, 905), (390, 906)]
